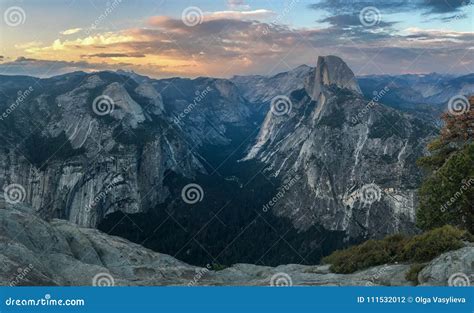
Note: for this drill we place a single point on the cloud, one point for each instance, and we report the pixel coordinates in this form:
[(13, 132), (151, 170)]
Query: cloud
[(114, 55), (71, 31), (232, 43), (393, 6), (443, 6), (237, 4), (168, 22), (239, 15)]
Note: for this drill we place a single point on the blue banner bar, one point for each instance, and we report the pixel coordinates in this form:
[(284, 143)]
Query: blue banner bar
[(237, 299)]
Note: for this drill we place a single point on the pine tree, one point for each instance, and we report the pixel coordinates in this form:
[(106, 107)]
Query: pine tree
[(447, 195)]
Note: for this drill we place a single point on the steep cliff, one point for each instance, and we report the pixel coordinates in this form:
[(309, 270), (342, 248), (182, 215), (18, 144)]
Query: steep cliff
[(356, 158)]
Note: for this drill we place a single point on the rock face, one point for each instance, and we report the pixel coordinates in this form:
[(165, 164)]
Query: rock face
[(332, 70), (456, 267), (82, 146), (261, 89), (34, 252), (356, 159)]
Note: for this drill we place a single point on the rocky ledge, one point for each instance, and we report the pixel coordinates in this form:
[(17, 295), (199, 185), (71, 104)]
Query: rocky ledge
[(36, 252)]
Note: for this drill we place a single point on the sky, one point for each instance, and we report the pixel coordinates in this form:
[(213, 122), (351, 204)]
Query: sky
[(234, 37)]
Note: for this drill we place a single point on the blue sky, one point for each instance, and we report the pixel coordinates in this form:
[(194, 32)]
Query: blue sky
[(235, 36)]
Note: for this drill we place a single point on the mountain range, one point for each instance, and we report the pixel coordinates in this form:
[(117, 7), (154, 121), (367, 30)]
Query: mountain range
[(256, 169)]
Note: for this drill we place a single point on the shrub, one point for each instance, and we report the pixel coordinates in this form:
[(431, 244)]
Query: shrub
[(427, 246), (397, 248), (370, 253)]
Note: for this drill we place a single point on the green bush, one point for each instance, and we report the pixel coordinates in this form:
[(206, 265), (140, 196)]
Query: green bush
[(397, 248), (412, 274), (427, 246), (369, 253)]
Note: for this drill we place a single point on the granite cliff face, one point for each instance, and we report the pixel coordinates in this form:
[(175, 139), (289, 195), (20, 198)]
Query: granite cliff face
[(356, 159), (83, 146), (327, 166)]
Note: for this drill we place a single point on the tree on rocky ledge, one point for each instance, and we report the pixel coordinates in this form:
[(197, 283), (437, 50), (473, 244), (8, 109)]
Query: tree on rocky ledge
[(447, 194)]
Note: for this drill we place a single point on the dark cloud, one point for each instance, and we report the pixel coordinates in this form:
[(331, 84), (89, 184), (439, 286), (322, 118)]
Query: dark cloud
[(443, 6), (392, 6)]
